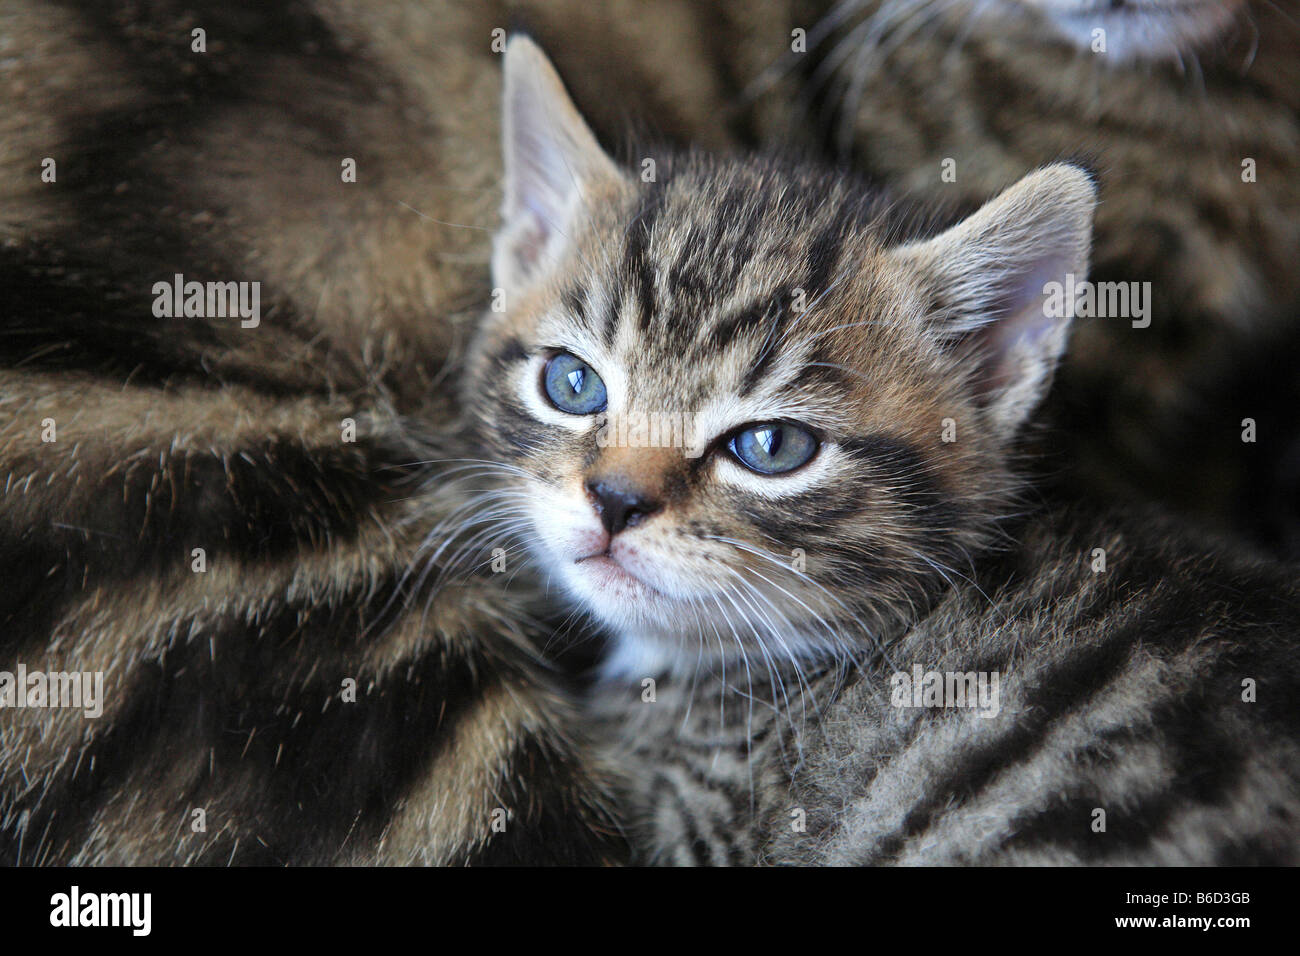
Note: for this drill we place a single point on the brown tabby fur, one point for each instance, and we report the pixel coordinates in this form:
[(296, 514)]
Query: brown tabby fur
[(898, 86), (224, 688), (1144, 672), (1120, 691)]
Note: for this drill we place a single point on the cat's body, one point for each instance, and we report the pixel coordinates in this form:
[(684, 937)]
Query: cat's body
[(1120, 690), (845, 505), (294, 694), (1190, 113)]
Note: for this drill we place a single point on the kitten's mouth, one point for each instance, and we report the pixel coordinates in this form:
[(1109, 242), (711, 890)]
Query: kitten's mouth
[(609, 572)]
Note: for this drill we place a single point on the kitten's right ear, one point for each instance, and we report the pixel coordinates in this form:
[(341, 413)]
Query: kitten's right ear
[(552, 161)]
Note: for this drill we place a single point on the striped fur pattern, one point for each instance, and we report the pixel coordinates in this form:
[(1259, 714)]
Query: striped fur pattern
[(641, 304), (1185, 96), (228, 735), (1142, 712), (731, 291), (1121, 691)]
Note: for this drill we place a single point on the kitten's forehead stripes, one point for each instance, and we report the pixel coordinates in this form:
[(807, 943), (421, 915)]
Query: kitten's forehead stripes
[(637, 267), (575, 303), (780, 316), (694, 241)]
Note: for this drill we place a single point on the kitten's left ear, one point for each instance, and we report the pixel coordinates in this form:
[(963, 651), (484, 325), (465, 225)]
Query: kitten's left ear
[(552, 162), (989, 278)]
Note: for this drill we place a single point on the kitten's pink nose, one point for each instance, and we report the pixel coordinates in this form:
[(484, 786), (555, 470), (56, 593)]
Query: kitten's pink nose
[(619, 504)]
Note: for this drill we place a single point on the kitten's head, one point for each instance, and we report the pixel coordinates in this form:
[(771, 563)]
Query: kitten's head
[(1135, 29), (733, 411)]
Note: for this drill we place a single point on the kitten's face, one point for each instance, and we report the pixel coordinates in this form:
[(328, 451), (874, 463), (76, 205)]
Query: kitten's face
[(682, 304), (1137, 29), (797, 380)]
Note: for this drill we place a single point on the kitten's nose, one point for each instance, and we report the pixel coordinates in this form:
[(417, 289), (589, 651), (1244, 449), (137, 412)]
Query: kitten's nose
[(619, 505)]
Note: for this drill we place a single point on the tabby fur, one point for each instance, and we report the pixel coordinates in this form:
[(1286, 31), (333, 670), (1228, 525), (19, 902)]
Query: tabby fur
[(757, 620), (225, 689), (1120, 691), (987, 90)]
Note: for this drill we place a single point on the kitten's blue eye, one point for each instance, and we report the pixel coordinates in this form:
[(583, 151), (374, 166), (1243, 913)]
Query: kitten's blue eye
[(773, 447), (573, 386)]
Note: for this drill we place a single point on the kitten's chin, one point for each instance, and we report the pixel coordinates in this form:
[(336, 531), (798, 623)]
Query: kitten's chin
[(634, 657), (667, 626), (653, 632), (616, 596)]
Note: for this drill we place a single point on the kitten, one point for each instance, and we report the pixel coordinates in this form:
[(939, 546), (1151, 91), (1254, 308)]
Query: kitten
[(840, 506), (1191, 112)]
